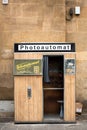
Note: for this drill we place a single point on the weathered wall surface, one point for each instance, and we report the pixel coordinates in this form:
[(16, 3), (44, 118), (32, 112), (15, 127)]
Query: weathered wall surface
[(27, 21), (77, 32), (42, 21)]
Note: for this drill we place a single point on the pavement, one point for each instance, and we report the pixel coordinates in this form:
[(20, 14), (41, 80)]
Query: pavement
[(80, 125)]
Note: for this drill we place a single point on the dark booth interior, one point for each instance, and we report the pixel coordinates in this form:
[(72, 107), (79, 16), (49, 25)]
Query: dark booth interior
[(53, 84)]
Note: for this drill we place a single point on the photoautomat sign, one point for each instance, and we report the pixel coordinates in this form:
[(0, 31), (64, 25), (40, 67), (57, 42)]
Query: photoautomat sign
[(44, 47)]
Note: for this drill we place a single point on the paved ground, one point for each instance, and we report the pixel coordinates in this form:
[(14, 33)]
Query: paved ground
[(80, 125)]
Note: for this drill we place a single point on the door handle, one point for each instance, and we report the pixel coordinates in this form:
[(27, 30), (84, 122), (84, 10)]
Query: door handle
[(29, 92)]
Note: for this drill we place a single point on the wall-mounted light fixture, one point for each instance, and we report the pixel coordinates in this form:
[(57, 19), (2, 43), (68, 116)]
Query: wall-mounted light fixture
[(72, 11), (77, 10), (5, 2)]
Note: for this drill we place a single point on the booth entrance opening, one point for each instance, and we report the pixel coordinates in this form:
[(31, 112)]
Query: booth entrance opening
[(53, 87)]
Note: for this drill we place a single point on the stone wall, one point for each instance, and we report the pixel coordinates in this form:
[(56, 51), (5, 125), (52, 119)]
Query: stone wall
[(77, 32), (27, 21), (42, 21)]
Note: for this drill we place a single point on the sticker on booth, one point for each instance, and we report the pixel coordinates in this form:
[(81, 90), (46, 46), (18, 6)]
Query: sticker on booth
[(28, 67), (69, 66)]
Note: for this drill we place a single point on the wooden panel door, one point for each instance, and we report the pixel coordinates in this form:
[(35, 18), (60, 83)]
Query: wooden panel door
[(69, 93), (28, 109)]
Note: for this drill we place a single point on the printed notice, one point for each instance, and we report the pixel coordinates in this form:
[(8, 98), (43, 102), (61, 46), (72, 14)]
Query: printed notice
[(28, 67), (70, 66)]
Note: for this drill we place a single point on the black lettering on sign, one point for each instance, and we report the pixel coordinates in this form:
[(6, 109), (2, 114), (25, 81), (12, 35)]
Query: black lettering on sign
[(44, 47)]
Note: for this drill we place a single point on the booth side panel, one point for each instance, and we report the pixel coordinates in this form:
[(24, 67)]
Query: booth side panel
[(69, 93)]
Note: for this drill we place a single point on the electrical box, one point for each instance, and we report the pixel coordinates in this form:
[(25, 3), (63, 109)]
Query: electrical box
[(77, 10), (4, 1)]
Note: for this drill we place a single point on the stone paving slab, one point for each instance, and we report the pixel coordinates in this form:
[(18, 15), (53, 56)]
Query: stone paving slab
[(12, 126)]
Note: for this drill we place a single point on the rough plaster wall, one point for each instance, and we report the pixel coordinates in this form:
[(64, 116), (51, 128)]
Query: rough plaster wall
[(77, 32), (27, 21), (41, 20)]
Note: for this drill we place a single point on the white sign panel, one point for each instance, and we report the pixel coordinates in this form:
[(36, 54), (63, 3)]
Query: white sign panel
[(44, 47), (4, 1)]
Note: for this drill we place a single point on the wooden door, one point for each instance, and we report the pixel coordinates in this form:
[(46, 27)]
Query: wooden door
[(28, 109)]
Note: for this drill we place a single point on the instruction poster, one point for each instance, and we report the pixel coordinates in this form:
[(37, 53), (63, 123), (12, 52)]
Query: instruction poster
[(69, 66), (28, 67)]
